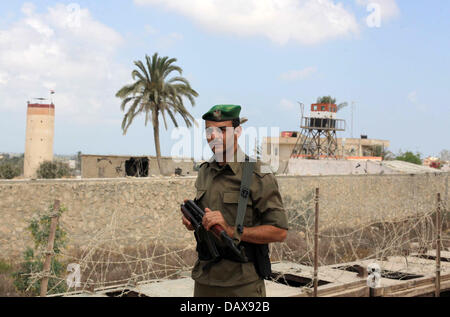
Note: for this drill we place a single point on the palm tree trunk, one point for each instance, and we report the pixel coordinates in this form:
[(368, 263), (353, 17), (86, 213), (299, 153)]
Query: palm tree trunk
[(155, 122)]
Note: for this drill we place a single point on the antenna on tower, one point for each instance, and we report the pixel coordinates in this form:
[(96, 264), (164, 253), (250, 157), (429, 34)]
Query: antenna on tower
[(52, 92), (302, 107)]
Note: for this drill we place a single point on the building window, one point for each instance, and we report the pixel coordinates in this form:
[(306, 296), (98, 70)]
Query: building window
[(137, 167)]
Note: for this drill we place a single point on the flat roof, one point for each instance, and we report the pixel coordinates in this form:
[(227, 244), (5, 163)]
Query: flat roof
[(293, 140)]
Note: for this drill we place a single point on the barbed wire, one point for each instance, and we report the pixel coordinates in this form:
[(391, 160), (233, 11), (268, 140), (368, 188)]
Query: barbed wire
[(105, 262)]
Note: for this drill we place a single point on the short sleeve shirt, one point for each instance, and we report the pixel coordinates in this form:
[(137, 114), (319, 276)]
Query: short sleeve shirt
[(218, 188)]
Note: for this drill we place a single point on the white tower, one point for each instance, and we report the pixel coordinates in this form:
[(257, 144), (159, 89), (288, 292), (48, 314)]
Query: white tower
[(39, 137)]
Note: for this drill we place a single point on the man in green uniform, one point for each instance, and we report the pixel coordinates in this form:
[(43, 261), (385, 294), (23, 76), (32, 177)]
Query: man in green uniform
[(218, 191)]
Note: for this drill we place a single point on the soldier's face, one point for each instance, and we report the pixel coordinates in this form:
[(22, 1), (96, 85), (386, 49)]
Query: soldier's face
[(221, 136)]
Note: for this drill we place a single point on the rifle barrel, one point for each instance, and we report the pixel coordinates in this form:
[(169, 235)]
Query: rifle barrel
[(195, 223), (195, 209)]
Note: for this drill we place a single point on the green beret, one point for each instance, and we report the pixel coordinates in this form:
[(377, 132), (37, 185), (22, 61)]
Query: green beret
[(220, 113)]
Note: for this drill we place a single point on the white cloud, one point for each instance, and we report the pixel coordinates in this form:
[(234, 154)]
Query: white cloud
[(4, 78), (298, 74), (303, 21), (44, 51), (389, 8)]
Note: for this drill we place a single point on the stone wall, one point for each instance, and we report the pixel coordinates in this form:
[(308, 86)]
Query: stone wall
[(124, 211)]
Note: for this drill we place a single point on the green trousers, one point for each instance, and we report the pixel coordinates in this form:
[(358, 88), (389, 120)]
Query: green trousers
[(254, 289)]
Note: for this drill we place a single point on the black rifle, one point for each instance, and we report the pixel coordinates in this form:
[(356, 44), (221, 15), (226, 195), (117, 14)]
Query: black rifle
[(195, 214)]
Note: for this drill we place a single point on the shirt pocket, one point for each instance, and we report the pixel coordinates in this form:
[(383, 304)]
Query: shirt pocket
[(230, 203)]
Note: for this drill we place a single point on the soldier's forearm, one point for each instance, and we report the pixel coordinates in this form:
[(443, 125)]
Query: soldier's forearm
[(263, 234)]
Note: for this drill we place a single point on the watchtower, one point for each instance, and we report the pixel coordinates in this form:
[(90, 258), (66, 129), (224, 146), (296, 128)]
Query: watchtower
[(317, 138), (39, 136)]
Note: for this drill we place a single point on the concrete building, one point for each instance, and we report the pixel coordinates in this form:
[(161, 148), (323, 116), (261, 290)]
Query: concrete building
[(39, 137), (115, 166), (429, 160), (347, 148)]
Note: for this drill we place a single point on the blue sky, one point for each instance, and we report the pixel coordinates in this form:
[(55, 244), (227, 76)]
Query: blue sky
[(265, 55)]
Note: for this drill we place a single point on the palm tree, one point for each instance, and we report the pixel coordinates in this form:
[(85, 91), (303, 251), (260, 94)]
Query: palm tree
[(152, 94)]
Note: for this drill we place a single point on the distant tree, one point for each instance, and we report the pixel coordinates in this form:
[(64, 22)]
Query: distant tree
[(11, 167), (78, 161), (153, 94), (326, 99), (409, 157), (9, 170), (53, 169), (384, 153)]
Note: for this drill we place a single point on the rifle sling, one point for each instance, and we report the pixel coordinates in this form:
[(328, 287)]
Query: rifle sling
[(246, 182)]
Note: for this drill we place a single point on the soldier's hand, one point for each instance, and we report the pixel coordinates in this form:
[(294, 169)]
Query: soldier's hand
[(187, 224), (212, 218)]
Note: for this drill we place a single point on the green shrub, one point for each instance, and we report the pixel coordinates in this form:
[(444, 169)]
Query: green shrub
[(9, 171), (410, 157), (33, 259), (55, 169), (4, 267)]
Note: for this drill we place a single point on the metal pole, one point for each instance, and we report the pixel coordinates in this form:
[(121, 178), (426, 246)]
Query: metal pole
[(438, 247), (316, 243), (49, 253)]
